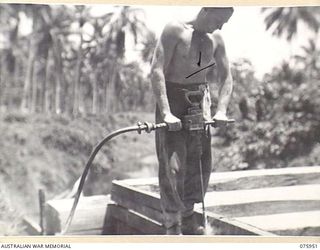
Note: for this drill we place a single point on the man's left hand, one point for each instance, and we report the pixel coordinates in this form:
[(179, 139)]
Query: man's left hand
[(221, 119)]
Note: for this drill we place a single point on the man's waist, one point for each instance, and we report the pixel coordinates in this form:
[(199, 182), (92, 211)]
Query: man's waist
[(186, 86)]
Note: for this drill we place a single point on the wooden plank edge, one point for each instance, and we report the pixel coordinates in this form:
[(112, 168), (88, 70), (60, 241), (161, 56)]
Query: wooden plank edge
[(125, 185), (127, 192), (151, 213), (30, 226), (234, 227), (137, 221), (217, 177)]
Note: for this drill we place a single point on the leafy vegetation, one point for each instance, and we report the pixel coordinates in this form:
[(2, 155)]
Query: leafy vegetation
[(72, 62), (59, 82), (277, 118)]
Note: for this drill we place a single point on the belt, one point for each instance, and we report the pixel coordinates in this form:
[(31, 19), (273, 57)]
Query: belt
[(188, 87)]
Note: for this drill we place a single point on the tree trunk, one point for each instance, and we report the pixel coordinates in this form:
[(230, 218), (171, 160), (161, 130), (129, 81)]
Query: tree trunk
[(58, 96), (57, 50), (10, 91), (102, 98), (105, 94), (110, 95), (76, 92), (1, 83), (95, 93), (43, 79), (48, 88), (5, 78), (34, 92), (26, 98)]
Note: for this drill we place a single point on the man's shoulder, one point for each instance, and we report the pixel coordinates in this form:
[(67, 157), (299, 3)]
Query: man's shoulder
[(217, 38), (174, 28)]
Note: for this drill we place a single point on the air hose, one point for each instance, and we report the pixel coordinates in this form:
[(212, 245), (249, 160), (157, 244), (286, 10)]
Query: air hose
[(146, 126)]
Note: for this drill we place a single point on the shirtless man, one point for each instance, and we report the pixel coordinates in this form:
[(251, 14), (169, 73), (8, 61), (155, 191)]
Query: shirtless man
[(181, 61)]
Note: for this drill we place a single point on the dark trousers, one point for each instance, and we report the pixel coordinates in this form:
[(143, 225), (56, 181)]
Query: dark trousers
[(179, 163)]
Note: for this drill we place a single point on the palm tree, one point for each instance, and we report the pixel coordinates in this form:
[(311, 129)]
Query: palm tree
[(284, 20), (310, 59), (28, 83), (10, 22), (98, 56), (44, 44), (82, 16), (58, 20), (50, 24), (123, 22), (40, 42)]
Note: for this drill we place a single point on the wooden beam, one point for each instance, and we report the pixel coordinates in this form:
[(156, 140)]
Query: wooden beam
[(31, 227), (301, 192), (229, 226), (121, 191), (284, 221), (133, 222), (217, 177), (89, 215)]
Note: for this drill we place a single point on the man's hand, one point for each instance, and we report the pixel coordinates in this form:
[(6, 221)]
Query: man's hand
[(221, 119), (174, 123)]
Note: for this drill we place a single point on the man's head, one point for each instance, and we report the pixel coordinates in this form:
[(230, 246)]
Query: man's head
[(210, 19)]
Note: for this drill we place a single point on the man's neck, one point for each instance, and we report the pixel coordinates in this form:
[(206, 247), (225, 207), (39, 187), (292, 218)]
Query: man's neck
[(196, 26)]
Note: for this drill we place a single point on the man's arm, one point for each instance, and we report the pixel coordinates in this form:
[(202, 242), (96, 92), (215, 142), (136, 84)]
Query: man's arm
[(161, 59), (224, 79)]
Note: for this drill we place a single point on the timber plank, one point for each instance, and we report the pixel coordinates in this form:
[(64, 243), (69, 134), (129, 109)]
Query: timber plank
[(232, 175), (31, 227), (132, 204), (87, 232), (301, 192), (123, 192), (131, 219), (265, 208), (90, 214), (284, 221), (228, 226)]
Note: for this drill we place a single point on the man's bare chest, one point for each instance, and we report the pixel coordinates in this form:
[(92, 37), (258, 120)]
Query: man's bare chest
[(194, 49)]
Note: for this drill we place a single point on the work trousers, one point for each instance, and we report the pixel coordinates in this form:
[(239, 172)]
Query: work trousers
[(179, 162)]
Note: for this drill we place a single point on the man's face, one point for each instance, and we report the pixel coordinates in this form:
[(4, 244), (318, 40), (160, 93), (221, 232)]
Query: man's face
[(214, 21)]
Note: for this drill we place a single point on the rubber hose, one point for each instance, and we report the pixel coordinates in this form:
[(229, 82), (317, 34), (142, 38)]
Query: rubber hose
[(87, 168)]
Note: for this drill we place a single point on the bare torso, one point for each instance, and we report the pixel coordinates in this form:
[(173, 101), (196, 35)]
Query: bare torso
[(193, 52), (183, 54)]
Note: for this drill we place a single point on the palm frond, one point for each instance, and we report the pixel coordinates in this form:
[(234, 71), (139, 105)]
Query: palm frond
[(284, 21), (273, 17), (307, 16), (292, 23)]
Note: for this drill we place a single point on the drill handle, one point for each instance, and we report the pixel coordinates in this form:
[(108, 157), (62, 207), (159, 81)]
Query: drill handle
[(213, 122), (148, 126)]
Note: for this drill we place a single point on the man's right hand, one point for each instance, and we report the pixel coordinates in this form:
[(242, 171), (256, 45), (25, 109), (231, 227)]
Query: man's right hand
[(174, 123)]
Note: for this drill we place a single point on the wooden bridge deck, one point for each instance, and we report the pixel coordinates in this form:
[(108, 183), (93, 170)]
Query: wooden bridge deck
[(290, 206)]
